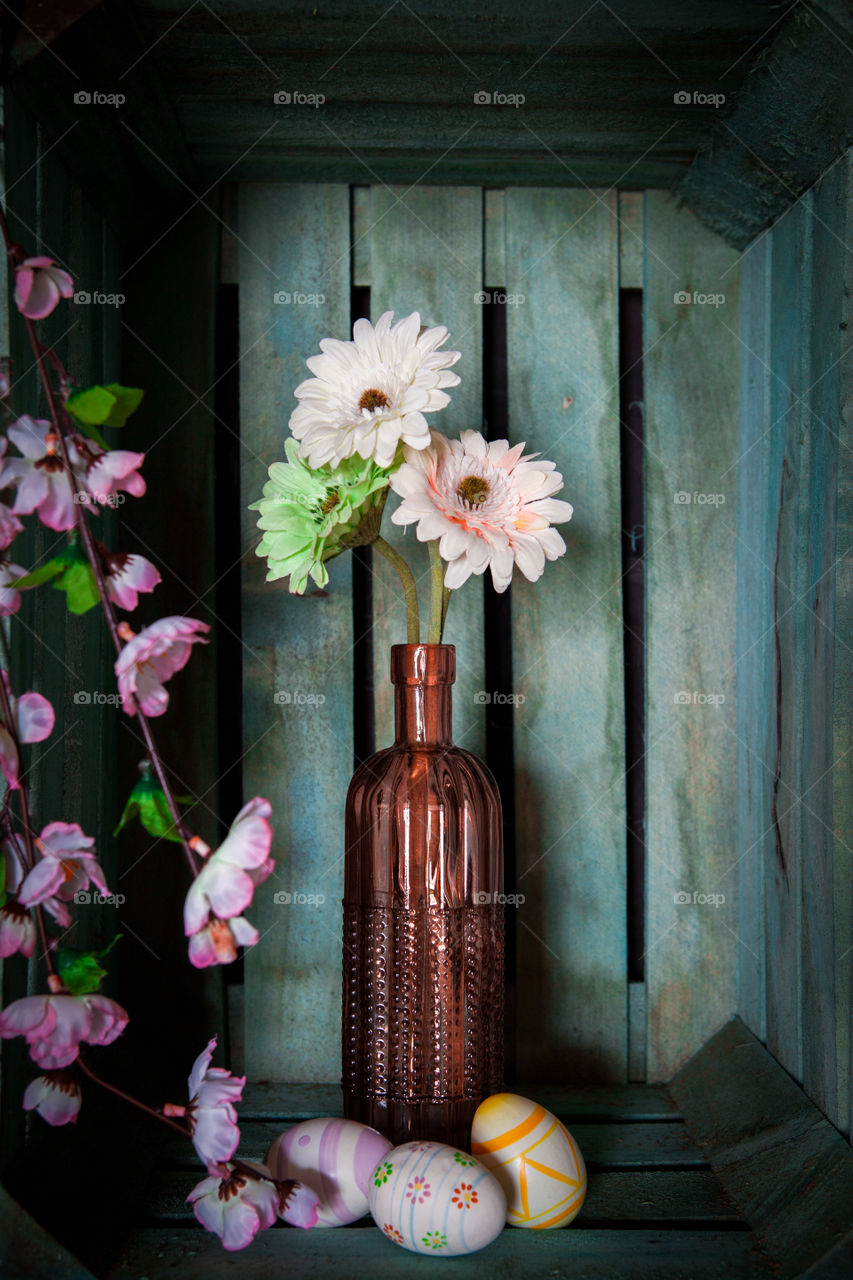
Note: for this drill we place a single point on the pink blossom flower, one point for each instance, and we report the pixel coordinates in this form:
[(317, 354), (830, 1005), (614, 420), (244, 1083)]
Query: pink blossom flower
[(66, 866), (55, 1096), (152, 657), (10, 526), (218, 941), (226, 883), (210, 1115), (12, 851), (299, 1204), (55, 1025), (17, 929), (39, 284), (106, 471), (235, 1207), (488, 506), (34, 721), (10, 599), (126, 576), (42, 483)]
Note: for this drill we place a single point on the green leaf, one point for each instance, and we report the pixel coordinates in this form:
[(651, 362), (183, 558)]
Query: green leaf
[(93, 405), (127, 401), (44, 574), (148, 803), (109, 406), (81, 971), (81, 590)]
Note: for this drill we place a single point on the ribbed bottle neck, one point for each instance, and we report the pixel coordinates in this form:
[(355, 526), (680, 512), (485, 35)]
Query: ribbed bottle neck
[(423, 675)]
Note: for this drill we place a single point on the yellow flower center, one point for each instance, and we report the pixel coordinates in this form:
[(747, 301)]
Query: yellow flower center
[(474, 490), (331, 501), (373, 399)]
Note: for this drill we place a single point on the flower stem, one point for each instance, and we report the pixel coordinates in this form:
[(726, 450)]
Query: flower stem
[(446, 593), (60, 423), (413, 626), (134, 1102), (436, 593)]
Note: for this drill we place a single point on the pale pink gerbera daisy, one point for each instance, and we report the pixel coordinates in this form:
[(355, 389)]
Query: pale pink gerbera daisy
[(151, 658), (39, 284), (369, 394), (488, 506)]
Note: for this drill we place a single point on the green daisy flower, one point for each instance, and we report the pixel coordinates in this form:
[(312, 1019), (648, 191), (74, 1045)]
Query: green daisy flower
[(311, 514)]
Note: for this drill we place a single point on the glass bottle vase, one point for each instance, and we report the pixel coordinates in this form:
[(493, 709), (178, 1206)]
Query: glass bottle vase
[(423, 939)]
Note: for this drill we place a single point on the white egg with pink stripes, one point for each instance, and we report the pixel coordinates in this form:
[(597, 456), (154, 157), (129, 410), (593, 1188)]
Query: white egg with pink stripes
[(336, 1159)]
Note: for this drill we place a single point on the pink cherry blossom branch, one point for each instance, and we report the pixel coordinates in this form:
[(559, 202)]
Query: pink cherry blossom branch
[(182, 1129), (60, 423)]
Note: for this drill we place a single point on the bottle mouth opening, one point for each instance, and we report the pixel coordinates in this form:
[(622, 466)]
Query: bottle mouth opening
[(423, 664)]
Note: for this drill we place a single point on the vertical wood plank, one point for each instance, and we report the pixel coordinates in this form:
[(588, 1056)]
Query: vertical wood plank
[(562, 255), (842, 703), (786, 541), (692, 383), (823, 388), (426, 254), (298, 754), (755, 649)]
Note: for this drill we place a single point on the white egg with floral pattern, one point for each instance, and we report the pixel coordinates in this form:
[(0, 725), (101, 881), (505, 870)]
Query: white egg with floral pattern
[(435, 1199)]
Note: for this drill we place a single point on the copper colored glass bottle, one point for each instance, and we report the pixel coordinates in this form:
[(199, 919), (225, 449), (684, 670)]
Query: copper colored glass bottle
[(423, 920)]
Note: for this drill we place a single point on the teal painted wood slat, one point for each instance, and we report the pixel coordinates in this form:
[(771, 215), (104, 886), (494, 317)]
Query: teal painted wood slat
[(786, 547), (562, 256), (842, 702), (365, 1254), (821, 640), (692, 385), (298, 753), (426, 254), (755, 649)]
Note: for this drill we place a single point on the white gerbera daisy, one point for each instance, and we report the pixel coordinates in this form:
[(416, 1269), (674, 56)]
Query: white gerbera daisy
[(369, 394), (486, 504)]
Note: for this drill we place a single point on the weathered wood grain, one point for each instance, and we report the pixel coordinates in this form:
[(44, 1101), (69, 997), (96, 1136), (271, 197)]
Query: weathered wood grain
[(604, 1146), (842, 702), (562, 260), (786, 541), (298, 753), (638, 1254), (426, 255), (821, 640), (692, 383), (785, 1167), (755, 651), (610, 1102)]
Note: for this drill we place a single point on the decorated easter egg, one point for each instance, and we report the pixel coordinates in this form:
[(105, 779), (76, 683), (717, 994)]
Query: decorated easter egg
[(534, 1158), (336, 1159), (434, 1199)]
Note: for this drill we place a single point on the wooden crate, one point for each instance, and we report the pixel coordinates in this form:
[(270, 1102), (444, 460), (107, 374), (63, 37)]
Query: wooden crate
[(708, 1081)]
